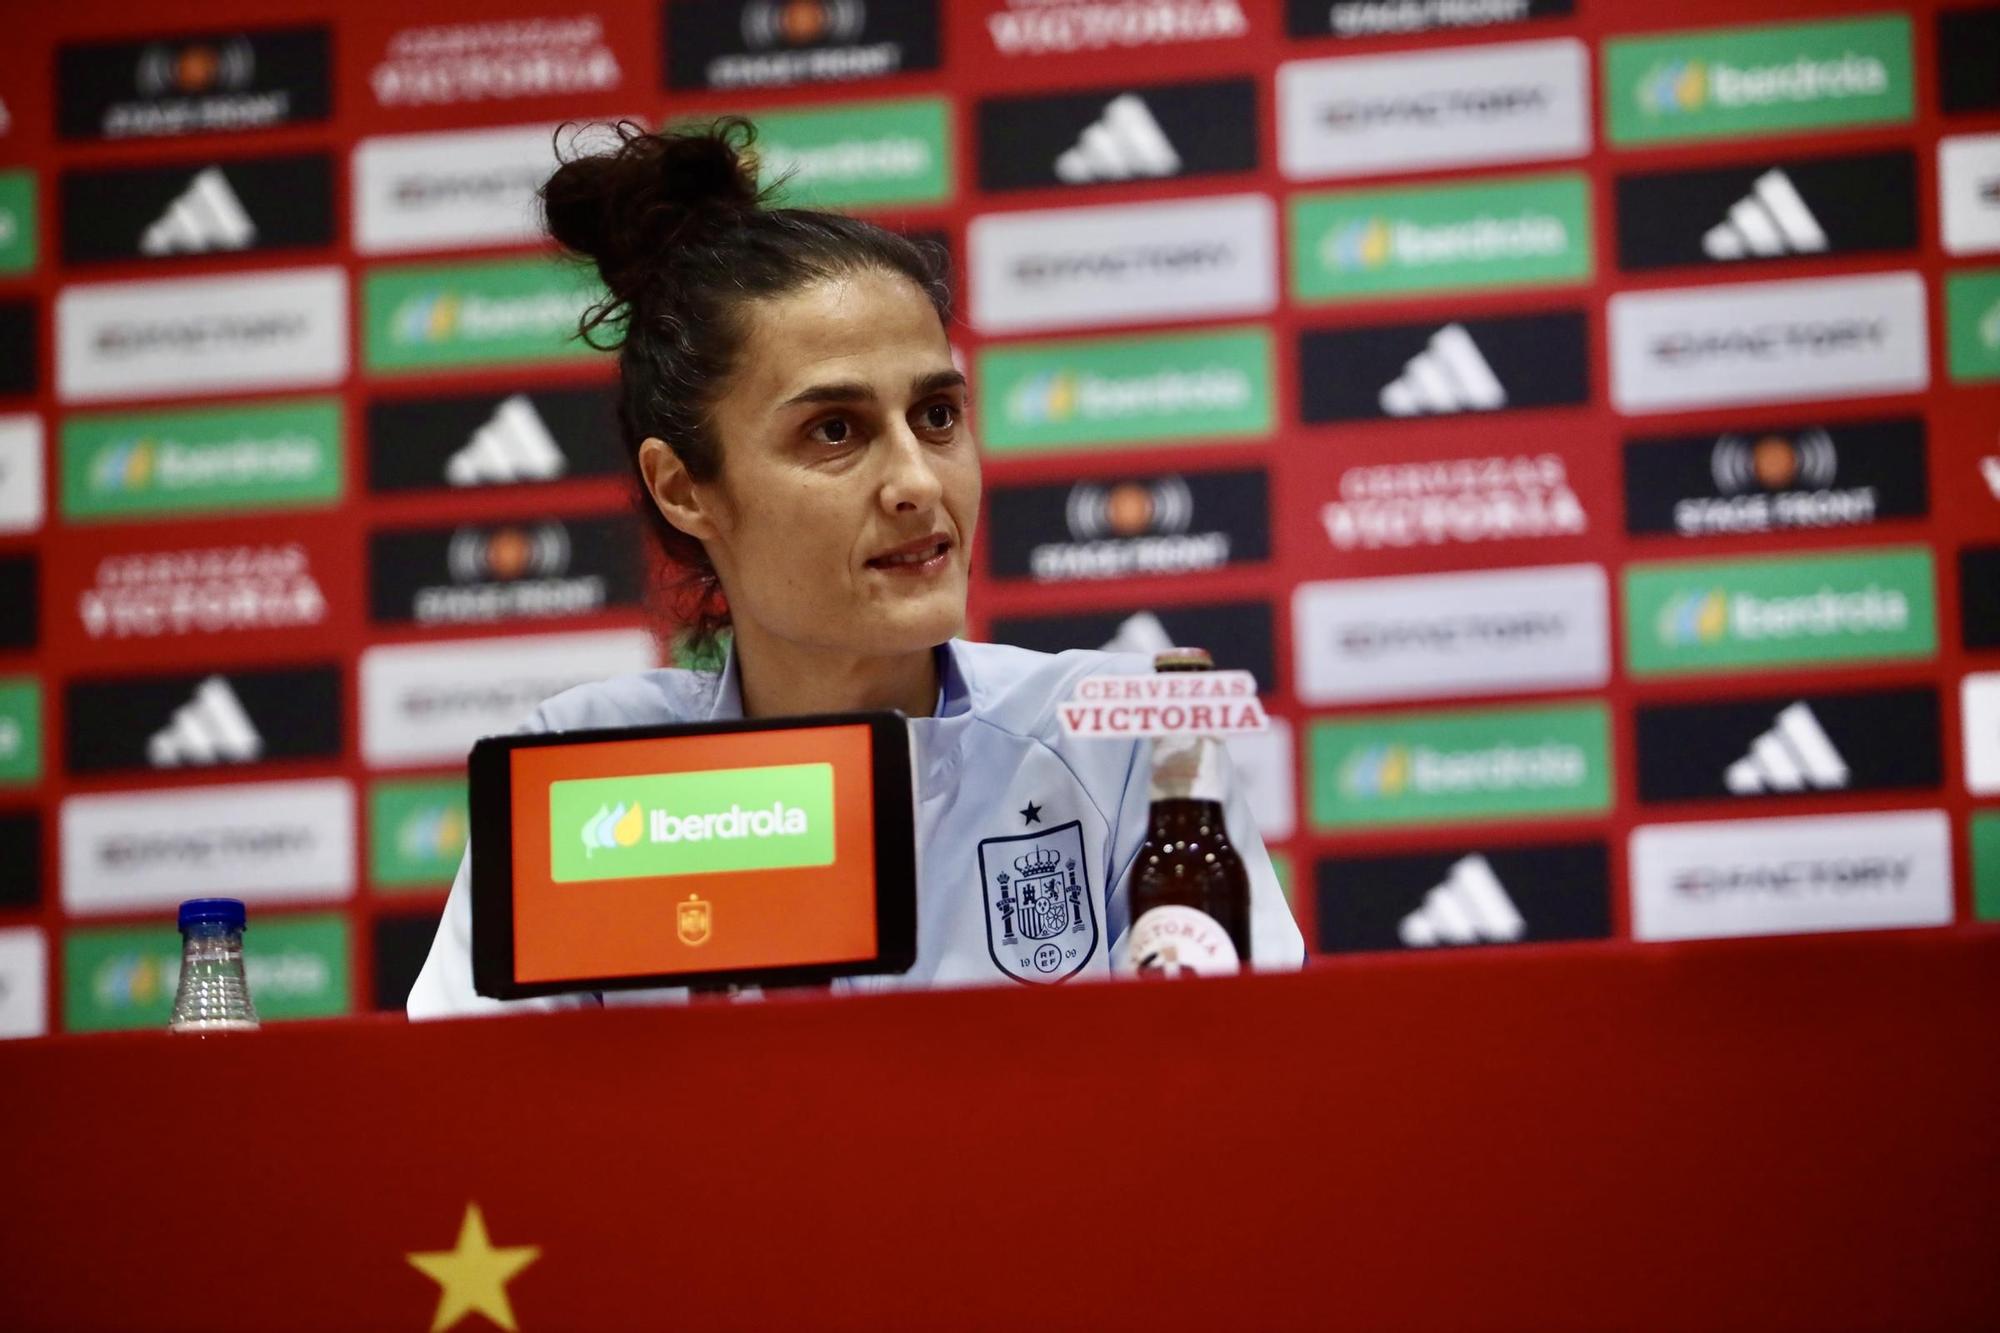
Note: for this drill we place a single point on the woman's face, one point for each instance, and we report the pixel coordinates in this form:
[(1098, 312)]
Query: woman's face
[(843, 516)]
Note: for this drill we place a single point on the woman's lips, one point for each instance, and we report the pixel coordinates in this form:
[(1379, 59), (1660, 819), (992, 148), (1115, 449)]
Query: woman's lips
[(929, 559)]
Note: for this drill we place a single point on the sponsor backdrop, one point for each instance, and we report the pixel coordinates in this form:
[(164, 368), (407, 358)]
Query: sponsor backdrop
[(1582, 416)]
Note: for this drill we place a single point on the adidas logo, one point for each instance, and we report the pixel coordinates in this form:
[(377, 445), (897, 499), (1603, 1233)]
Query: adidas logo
[(210, 729), (207, 216), (1771, 220), (1470, 907), (1141, 632), (514, 445), (1791, 756), (1447, 376), (1125, 142)]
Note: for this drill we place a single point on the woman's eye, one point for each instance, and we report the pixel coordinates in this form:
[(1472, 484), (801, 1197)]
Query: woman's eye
[(834, 430)]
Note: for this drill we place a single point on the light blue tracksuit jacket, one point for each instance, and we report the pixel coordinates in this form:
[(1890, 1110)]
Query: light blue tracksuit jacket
[(997, 781)]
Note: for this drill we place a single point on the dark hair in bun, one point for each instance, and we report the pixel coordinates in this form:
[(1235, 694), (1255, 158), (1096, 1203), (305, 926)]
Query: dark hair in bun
[(682, 236)]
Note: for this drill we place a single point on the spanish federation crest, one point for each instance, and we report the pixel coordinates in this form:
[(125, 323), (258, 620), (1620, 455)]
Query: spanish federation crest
[(1041, 923)]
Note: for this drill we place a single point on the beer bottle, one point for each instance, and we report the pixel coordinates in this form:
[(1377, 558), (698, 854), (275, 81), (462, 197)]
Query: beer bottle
[(1190, 893)]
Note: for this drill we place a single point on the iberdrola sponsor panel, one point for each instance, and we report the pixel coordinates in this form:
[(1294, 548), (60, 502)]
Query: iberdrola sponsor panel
[(857, 154), (1410, 768), (417, 829), (469, 314), (774, 818), (1117, 391), (1707, 615), (1714, 82), (20, 730), (1985, 835), (274, 455), (1972, 322), (117, 977), (17, 221), (1516, 231)]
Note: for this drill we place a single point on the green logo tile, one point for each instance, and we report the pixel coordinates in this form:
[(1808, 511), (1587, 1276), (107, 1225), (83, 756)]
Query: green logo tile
[(1986, 865), (859, 155), (416, 832), (691, 823), (1711, 615), (20, 731), (209, 460), (1513, 232), (1972, 324), (1110, 392), (1719, 82), (124, 976), (1412, 768), (475, 314), (17, 221)]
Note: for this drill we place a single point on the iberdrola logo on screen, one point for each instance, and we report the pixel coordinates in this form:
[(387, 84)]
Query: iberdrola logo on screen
[(691, 823)]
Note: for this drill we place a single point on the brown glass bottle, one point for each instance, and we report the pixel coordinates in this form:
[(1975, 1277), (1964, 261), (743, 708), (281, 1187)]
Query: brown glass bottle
[(1190, 893)]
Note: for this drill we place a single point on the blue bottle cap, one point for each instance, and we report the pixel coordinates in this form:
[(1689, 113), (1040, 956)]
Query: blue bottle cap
[(225, 912)]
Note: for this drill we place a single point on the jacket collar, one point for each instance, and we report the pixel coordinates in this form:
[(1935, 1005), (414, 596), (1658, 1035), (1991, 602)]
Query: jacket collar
[(954, 695)]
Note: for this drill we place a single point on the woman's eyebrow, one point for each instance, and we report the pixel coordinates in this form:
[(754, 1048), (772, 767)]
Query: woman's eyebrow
[(853, 391)]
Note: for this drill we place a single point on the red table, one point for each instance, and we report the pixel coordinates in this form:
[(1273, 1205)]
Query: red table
[(1797, 1133)]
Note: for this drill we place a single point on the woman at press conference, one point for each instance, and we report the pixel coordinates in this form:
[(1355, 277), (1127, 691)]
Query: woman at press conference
[(801, 438)]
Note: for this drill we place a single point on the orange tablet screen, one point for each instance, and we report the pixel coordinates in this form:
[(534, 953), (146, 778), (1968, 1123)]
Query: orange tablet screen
[(693, 853)]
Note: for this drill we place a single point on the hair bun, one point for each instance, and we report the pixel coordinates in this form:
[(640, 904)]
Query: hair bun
[(628, 209)]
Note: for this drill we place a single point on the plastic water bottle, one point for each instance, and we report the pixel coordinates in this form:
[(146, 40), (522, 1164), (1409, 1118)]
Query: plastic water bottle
[(213, 995)]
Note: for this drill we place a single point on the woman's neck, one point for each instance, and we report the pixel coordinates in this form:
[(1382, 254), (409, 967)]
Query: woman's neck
[(780, 679)]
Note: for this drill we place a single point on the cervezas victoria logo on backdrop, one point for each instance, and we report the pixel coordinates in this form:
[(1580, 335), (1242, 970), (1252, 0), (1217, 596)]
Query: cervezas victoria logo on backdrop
[(1061, 27), (502, 60), (193, 83), (1393, 506), (147, 596)]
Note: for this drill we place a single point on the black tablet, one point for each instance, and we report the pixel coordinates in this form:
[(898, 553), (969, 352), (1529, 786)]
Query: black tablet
[(765, 853)]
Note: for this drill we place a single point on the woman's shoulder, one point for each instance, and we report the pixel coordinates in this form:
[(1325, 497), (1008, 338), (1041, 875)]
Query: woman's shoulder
[(636, 698), (1020, 690)]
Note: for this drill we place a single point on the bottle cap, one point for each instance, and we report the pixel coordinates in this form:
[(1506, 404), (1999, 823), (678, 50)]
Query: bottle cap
[(225, 912), (1183, 659)]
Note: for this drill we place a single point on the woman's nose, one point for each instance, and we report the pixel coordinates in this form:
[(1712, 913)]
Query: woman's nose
[(911, 481)]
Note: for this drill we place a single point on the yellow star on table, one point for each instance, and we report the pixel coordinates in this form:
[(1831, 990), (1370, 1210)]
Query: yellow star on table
[(474, 1275)]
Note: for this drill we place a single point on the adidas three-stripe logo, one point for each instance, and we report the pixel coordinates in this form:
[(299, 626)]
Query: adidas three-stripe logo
[(1469, 907), (206, 216), (1791, 756), (1123, 143), (1449, 375), (212, 728), (514, 445), (1771, 220)]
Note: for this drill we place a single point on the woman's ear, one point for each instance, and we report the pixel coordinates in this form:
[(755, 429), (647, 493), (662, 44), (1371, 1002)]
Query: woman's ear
[(673, 490)]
